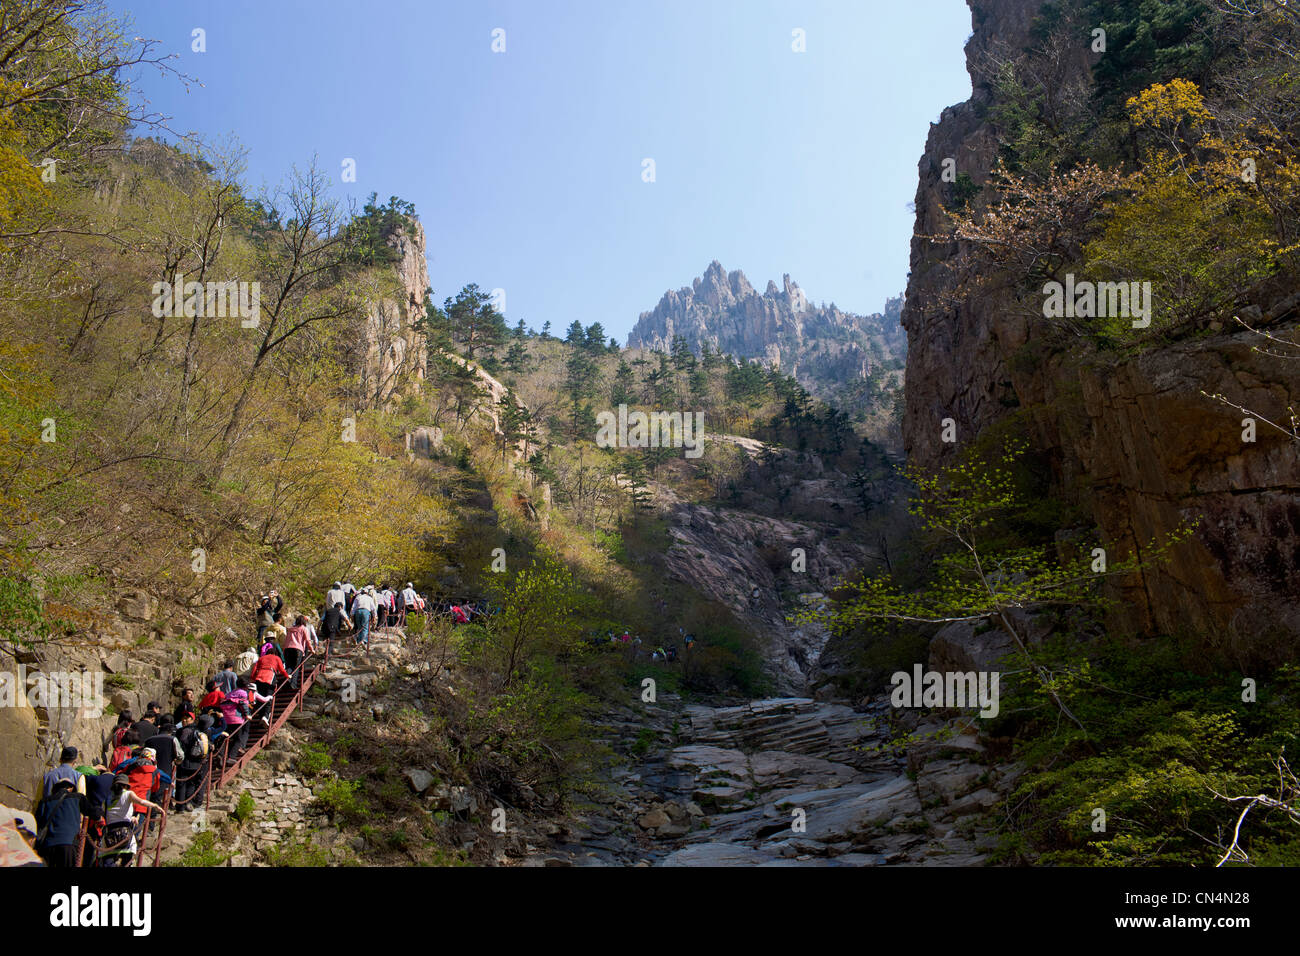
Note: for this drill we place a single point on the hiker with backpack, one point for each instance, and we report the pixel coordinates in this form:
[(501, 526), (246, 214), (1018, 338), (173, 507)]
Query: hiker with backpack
[(410, 600), (226, 677), (58, 819), (236, 712), (147, 779), (191, 774), (124, 722), (165, 746), (123, 751), (120, 843), (333, 623), (99, 789), (66, 770)]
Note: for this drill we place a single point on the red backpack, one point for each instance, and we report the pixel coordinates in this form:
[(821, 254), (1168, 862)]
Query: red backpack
[(120, 753)]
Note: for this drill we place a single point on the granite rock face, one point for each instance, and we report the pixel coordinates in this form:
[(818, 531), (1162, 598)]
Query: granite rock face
[(823, 347), (1135, 440), (396, 357)]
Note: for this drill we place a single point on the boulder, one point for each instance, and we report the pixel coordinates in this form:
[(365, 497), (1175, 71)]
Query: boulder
[(653, 819), (137, 605), (961, 647), (419, 779), (454, 799), (946, 780)]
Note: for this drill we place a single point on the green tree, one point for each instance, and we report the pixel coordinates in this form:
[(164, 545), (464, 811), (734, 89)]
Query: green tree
[(434, 324), (985, 576), (682, 356), (536, 619), (517, 356), (474, 320), (622, 394), (579, 386), (595, 338)]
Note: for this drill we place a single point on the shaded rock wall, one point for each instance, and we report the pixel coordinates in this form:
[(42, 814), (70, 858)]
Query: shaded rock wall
[(1132, 439)]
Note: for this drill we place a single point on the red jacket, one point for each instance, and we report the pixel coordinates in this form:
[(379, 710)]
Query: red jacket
[(212, 699), (267, 666), (144, 779)]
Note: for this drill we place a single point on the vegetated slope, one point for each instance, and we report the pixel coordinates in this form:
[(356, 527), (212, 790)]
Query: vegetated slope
[(165, 465)]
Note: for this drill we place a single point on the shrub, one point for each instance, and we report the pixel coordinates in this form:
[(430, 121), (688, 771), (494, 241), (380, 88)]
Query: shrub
[(203, 852), (339, 798), (297, 852), (244, 807), (313, 760)]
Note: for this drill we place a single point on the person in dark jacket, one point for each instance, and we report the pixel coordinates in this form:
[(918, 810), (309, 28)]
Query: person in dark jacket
[(266, 612), (186, 706), (98, 783), (165, 744), (332, 624), (145, 727), (59, 817), (226, 677), (99, 787), (192, 772)]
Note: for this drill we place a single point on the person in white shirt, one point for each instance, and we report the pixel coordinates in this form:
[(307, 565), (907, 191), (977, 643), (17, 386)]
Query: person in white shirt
[(363, 606), (336, 595), (384, 605)]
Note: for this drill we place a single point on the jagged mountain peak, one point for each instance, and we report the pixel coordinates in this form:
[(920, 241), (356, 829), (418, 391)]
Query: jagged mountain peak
[(832, 352)]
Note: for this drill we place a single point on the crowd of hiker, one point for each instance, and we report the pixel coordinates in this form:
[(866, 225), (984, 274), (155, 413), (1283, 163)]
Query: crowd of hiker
[(164, 759), (632, 645)]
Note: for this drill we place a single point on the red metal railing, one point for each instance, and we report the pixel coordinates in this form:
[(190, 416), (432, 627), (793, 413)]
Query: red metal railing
[(227, 771)]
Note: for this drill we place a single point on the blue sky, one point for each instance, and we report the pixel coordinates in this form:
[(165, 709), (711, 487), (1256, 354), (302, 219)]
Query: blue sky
[(526, 167)]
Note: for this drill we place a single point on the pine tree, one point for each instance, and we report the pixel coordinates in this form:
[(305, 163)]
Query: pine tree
[(621, 394), (517, 357), (682, 356), (580, 385), (474, 320)]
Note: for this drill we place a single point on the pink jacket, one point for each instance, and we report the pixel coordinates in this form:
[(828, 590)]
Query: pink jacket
[(296, 639)]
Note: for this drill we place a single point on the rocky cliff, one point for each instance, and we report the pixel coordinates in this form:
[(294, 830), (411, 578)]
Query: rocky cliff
[(743, 553), (1134, 439), (823, 347), (396, 357)]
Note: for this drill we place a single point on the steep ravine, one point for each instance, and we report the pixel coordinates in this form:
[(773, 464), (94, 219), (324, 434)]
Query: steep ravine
[(790, 780)]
